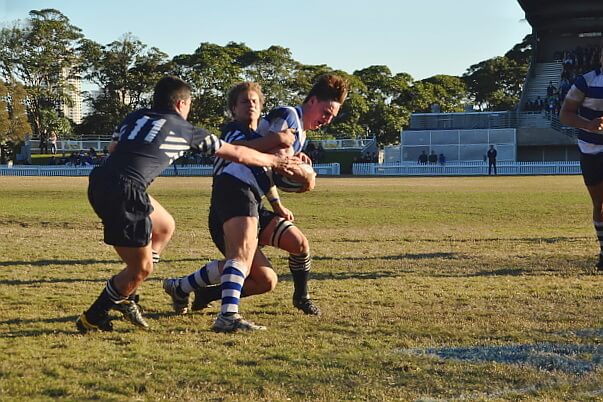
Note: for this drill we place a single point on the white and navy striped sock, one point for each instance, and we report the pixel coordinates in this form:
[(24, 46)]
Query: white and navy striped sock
[(156, 257), (232, 283), (207, 275), (113, 294), (299, 265)]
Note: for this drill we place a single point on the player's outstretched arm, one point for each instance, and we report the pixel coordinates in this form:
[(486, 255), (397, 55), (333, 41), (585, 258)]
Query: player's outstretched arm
[(251, 157), (282, 139)]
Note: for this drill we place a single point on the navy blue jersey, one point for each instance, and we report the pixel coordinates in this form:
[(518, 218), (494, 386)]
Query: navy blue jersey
[(588, 91), (149, 141), (255, 176)]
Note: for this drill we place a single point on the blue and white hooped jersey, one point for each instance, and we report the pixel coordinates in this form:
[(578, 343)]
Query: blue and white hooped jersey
[(255, 176), (588, 91), (282, 118)]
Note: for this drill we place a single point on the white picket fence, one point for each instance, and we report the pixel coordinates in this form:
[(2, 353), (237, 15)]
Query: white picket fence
[(466, 169), (329, 169), (333, 169)]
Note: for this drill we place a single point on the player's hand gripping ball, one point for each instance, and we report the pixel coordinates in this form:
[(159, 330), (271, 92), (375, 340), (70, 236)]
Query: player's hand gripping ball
[(292, 184)]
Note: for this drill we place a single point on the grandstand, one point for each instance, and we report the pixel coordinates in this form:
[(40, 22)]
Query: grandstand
[(567, 39)]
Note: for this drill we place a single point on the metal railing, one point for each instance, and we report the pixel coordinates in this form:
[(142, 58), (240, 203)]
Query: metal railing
[(478, 168), (328, 169)]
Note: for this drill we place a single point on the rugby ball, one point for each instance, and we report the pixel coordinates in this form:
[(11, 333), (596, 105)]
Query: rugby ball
[(291, 184)]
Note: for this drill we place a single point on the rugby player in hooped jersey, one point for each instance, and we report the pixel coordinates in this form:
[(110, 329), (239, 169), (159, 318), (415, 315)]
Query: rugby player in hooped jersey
[(318, 109), (149, 141), (276, 228), (583, 109)]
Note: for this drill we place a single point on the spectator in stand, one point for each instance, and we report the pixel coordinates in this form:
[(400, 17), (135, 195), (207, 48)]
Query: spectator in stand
[(564, 87), (88, 160), (422, 159), (551, 90), (442, 159), (433, 158), (73, 159)]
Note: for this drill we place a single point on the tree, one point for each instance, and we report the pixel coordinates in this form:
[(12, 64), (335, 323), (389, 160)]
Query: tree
[(521, 53), (276, 71), (496, 84), (386, 96), (54, 122), (14, 126), (211, 70), (125, 72), (43, 54), (447, 91)]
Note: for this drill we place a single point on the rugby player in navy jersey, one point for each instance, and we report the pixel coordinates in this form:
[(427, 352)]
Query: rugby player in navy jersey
[(583, 109), (276, 228), (149, 141)]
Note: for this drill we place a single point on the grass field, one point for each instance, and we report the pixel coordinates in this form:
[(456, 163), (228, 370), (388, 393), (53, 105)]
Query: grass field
[(431, 289)]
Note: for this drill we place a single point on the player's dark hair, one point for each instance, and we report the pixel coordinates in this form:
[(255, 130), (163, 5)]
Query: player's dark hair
[(168, 91), (329, 87), (233, 94)]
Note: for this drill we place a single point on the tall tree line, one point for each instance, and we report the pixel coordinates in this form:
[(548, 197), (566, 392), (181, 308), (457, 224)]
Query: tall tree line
[(38, 55)]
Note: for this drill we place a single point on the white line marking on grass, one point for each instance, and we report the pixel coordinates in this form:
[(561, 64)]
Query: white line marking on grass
[(573, 359)]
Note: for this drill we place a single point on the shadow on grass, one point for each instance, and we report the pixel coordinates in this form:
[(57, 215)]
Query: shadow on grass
[(328, 276), (20, 321), (43, 263), (21, 333), (406, 256), (69, 329), (21, 282)]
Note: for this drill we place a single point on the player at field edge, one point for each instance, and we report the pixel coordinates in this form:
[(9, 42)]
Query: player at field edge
[(583, 109)]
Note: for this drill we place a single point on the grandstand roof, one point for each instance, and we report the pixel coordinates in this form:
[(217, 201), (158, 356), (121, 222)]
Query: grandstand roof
[(564, 16)]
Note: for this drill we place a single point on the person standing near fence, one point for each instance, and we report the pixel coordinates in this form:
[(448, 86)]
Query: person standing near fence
[(583, 109), (52, 138), (491, 160)]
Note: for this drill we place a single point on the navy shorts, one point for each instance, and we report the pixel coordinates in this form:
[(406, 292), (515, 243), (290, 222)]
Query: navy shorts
[(592, 168), (230, 198), (124, 208)]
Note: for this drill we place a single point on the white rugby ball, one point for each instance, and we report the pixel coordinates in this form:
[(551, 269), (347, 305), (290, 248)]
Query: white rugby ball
[(291, 184)]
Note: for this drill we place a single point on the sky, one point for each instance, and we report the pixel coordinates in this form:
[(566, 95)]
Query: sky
[(422, 38)]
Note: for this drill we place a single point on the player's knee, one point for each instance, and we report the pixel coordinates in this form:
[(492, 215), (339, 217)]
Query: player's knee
[(301, 246), (167, 227), (269, 282), (144, 270)]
